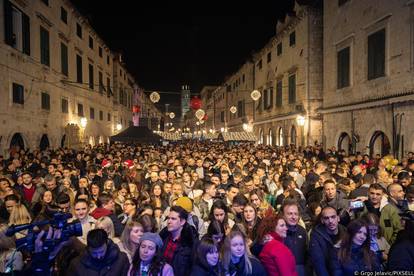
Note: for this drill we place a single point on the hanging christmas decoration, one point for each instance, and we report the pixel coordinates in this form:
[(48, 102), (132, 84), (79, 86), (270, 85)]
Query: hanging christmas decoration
[(233, 109), (195, 103), (200, 114), (171, 115), (154, 97), (205, 117), (255, 95), (136, 109)]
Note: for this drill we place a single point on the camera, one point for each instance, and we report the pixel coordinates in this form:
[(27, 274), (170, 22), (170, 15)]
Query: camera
[(59, 221)]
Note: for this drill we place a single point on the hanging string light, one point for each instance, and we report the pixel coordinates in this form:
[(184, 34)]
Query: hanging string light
[(171, 115), (200, 114)]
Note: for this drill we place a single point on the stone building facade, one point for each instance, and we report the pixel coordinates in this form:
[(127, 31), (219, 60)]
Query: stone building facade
[(288, 73), (368, 76), (55, 71)]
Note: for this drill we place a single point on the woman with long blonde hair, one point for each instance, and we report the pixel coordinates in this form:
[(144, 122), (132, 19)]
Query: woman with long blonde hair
[(236, 257), (130, 238)]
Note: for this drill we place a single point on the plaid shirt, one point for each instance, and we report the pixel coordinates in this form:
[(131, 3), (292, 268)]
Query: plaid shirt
[(170, 249)]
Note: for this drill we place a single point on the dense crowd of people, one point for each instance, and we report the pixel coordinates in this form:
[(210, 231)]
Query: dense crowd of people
[(213, 208)]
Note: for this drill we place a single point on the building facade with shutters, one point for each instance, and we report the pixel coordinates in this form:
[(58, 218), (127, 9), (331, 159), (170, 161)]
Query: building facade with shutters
[(369, 76), (288, 74), (55, 71)]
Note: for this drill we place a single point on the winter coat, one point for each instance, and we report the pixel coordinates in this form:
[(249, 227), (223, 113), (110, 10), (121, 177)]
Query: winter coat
[(401, 256), (183, 255), (355, 264), (201, 270), (321, 249), (297, 240), (238, 269), (114, 263), (277, 259)]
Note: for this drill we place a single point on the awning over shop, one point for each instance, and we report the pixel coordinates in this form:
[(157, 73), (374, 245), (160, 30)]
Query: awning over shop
[(238, 136), (137, 134)]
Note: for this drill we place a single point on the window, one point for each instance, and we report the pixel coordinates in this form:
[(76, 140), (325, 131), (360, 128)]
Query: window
[(100, 51), (45, 101), (100, 115), (91, 76), (109, 117), (46, 2), (240, 108), (64, 59), (279, 94), (222, 116), (17, 28), (292, 39), (18, 93), (107, 60), (228, 88), (78, 30), (79, 73), (279, 49), (269, 57), (90, 42), (108, 87), (292, 88), (120, 72), (243, 78), (65, 105), (259, 64), (63, 15), (44, 47), (268, 98), (92, 113), (341, 2), (343, 68), (101, 85), (80, 110), (376, 55)]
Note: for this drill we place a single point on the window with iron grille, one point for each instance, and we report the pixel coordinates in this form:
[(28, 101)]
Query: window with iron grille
[(100, 115), (92, 113), (79, 71), (292, 39), (78, 30), (16, 28)]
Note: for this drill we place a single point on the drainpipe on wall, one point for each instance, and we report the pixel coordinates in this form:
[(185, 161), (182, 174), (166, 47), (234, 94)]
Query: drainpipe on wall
[(308, 85)]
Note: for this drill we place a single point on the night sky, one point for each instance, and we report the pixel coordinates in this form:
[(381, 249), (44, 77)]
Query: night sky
[(166, 48)]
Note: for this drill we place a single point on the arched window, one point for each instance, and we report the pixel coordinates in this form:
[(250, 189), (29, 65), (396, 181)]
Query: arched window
[(44, 142), (261, 138), (280, 137), (270, 137), (293, 135), (379, 144)]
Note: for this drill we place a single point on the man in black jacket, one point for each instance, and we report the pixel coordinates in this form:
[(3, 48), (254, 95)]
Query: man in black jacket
[(322, 240), (297, 237), (179, 241)]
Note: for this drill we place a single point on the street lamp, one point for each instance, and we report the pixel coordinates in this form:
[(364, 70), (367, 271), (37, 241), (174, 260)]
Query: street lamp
[(118, 126), (83, 122), (300, 120)]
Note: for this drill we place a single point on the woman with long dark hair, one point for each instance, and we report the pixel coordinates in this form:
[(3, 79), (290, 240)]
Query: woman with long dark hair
[(354, 254), (158, 198), (216, 232), (207, 259), (148, 260)]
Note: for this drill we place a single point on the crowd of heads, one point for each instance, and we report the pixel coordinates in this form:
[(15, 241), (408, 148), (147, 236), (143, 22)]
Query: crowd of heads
[(224, 203)]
